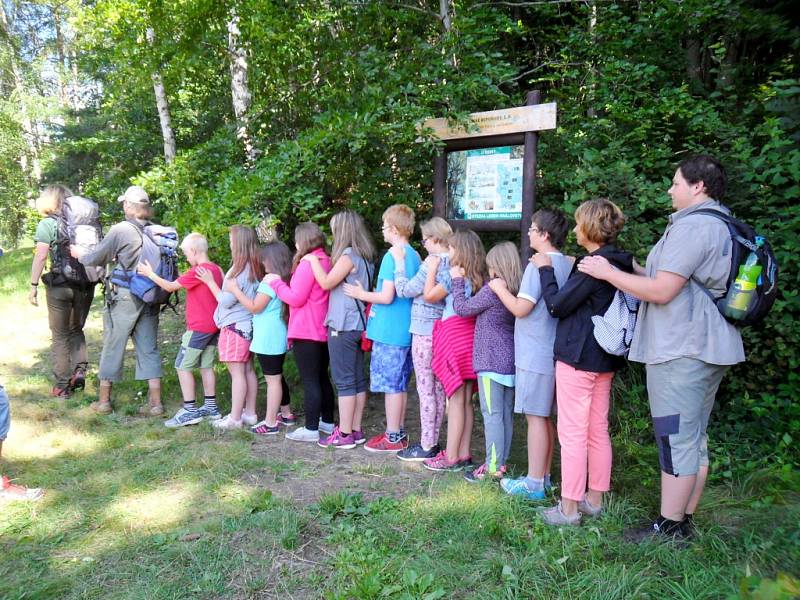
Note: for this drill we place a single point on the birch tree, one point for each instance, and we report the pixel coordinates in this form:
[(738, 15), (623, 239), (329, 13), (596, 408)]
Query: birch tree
[(162, 105)]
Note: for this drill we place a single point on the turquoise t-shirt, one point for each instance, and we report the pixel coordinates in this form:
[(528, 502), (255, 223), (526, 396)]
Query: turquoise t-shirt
[(269, 330), (389, 323)]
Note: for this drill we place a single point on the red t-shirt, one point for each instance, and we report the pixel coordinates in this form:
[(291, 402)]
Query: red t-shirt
[(200, 302)]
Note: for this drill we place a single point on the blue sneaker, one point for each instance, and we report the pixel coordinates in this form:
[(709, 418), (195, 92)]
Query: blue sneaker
[(210, 414), (518, 487), (182, 418), (416, 453)]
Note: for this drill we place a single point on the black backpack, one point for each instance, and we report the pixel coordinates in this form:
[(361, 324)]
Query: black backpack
[(77, 223), (743, 242)]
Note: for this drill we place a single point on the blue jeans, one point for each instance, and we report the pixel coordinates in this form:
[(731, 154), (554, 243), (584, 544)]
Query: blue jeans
[(5, 414)]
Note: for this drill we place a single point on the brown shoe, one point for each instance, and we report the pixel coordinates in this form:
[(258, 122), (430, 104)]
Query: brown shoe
[(149, 410), (101, 408)]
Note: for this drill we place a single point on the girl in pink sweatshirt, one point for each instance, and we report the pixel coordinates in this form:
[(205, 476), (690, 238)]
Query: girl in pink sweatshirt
[(308, 306)]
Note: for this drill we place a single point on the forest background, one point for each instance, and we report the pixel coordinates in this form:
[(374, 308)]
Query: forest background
[(222, 109)]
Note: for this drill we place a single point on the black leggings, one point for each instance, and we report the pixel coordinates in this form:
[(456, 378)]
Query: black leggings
[(272, 364), (318, 399)]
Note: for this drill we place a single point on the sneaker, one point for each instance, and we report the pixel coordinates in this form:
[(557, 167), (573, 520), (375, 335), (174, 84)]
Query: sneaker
[(249, 420), (587, 509), (212, 414), (381, 443), (417, 453), (519, 487), (326, 427), (554, 516), (301, 434), (441, 463), (359, 437), (287, 420), (11, 491), (263, 429), (466, 462), (337, 440), (660, 530), (183, 417), (226, 424), (62, 393), (480, 473), (78, 379)]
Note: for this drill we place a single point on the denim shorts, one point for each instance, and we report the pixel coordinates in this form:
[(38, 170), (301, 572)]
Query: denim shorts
[(5, 414), (390, 368)]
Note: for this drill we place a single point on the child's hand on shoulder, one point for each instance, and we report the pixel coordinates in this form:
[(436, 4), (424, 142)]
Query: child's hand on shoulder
[(205, 275), (230, 285), (353, 291), (398, 253), (144, 268), (433, 261), (542, 259), (310, 258), (497, 284), (456, 272), (270, 277)]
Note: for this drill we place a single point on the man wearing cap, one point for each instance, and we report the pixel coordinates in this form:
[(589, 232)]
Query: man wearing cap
[(125, 316)]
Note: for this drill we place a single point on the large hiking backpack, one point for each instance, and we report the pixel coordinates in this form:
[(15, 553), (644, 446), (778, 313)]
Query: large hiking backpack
[(743, 243), (159, 248), (78, 223)]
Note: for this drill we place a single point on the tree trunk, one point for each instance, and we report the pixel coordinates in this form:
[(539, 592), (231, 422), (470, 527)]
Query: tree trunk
[(62, 60), (590, 111), (28, 161), (240, 92), (163, 108), (694, 67), (727, 65)]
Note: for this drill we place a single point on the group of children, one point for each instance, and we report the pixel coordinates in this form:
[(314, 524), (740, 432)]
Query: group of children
[(462, 318)]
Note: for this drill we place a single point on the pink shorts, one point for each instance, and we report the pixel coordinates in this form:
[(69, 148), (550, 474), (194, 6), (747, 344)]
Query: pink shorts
[(233, 347)]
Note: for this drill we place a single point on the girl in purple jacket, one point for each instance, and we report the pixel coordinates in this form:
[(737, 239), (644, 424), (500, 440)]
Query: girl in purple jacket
[(493, 356)]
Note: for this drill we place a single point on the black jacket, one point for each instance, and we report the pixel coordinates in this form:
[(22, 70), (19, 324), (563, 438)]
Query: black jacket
[(575, 304)]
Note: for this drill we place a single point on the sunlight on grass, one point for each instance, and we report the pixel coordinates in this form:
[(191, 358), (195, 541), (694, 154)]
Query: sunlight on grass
[(28, 441), (166, 506)]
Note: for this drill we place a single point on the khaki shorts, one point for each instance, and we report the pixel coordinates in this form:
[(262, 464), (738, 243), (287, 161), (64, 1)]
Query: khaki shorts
[(681, 393), (197, 351)]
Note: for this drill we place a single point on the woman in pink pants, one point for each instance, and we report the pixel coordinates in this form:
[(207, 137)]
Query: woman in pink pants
[(584, 371)]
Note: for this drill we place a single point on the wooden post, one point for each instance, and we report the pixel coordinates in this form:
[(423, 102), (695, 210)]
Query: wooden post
[(528, 181)]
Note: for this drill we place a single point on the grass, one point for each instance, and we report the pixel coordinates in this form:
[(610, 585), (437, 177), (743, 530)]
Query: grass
[(134, 510)]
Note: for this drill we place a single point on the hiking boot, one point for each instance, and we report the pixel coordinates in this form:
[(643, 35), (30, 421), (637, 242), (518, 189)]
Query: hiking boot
[(337, 440), (301, 434), (62, 393), (417, 453), (249, 420), (182, 418), (78, 379), (226, 423), (151, 410), (212, 414), (440, 462), (287, 420), (480, 473), (555, 516), (587, 509), (326, 427), (11, 491), (519, 487), (381, 443)]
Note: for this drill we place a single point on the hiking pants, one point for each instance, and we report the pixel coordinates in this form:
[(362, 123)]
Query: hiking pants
[(125, 316), (67, 309), (497, 406)]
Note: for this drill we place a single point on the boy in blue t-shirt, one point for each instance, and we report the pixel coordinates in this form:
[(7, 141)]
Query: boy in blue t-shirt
[(388, 328)]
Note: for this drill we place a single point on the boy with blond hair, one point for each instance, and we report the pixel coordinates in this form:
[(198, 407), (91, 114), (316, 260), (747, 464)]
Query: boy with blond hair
[(199, 343), (388, 328)]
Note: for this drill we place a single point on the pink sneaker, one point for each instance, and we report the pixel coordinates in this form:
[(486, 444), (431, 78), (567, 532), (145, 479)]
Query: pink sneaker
[(440, 462), (359, 437), (381, 443), (337, 440)]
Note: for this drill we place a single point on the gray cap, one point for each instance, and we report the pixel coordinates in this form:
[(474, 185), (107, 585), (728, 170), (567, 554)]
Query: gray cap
[(135, 195)]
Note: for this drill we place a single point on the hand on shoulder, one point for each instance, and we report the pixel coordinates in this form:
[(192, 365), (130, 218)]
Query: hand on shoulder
[(542, 259), (497, 284)]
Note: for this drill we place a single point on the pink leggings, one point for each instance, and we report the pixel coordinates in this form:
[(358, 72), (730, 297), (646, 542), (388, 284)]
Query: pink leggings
[(431, 393), (583, 400)]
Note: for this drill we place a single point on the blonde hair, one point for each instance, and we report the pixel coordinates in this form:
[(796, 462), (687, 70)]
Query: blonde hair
[(503, 259), (600, 220), (244, 253), (437, 229), (348, 231), (51, 199), (307, 237), (468, 253), (401, 217), (195, 241)]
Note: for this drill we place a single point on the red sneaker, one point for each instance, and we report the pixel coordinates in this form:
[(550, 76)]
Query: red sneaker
[(10, 491), (58, 392), (381, 443)]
